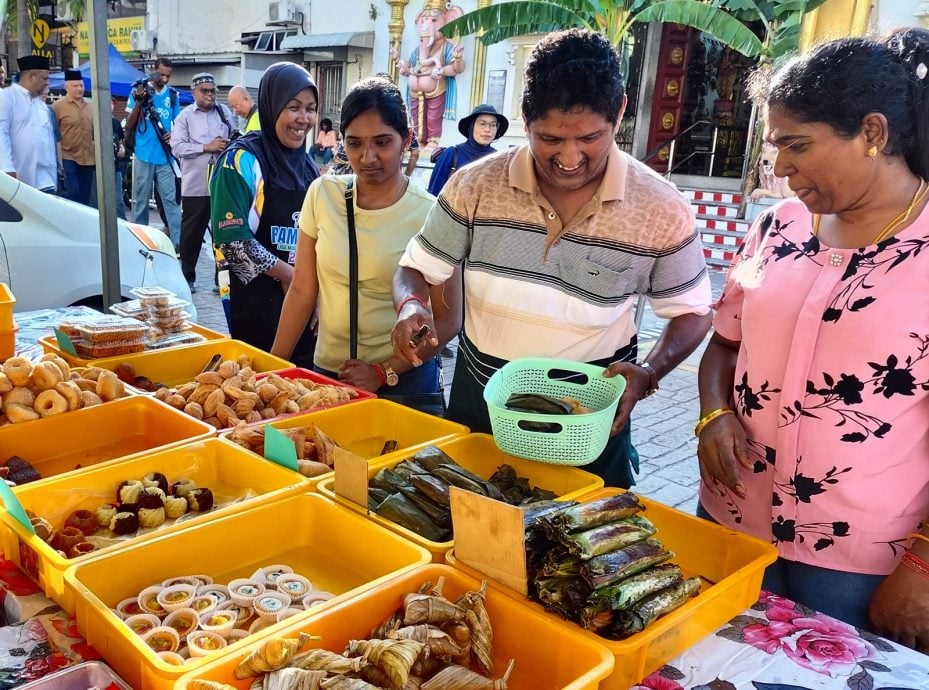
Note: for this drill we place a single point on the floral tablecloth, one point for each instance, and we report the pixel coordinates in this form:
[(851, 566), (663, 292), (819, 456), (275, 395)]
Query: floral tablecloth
[(780, 645)]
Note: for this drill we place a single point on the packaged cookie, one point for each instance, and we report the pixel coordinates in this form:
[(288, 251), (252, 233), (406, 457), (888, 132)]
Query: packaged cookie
[(98, 350), (111, 329), (133, 309), (153, 296)]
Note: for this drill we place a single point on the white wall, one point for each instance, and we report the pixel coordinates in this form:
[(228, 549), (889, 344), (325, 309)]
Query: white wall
[(335, 16), (197, 27)]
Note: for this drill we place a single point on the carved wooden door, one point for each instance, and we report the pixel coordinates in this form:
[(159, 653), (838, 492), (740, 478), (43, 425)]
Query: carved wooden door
[(669, 91)]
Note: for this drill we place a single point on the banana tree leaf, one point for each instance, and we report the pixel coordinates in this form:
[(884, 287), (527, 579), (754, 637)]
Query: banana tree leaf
[(523, 13), (714, 21)]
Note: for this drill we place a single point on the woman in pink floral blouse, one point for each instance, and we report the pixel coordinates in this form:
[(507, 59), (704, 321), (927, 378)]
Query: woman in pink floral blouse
[(814, 389)]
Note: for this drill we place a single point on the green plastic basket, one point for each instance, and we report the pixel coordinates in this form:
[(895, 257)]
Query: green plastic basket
[(579, 439)]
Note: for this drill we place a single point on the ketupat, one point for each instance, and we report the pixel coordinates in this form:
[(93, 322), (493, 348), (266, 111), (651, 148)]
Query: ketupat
[(271, 655), (394, 657)]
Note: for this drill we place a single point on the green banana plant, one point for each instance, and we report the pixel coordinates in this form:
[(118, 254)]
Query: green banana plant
[(613, 18), (781, 20)]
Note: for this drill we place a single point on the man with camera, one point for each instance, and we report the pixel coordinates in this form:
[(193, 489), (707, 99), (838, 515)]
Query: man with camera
[(201, 132), (153, 107)]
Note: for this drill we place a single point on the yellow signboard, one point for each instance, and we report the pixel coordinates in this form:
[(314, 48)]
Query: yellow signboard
[(118, 33)]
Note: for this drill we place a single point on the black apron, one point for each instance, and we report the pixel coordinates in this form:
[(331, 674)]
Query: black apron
[(255, 308)]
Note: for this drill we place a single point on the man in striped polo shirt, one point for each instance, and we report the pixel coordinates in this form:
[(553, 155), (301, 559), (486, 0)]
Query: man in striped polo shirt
[(558, 238)]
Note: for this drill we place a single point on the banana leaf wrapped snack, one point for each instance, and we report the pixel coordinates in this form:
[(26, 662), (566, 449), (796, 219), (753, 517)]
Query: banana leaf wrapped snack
[(601, 565)]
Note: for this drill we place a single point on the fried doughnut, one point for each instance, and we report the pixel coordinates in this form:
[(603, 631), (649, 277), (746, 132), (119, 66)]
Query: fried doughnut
[(70, 392), (213, 401), (89, 399), (63, 366), (93, 373), (19, 396), (20, 413), (178, 401), (49, 403), (46, 375), (18, 370), (163, 393), (187, 389), (201, 393), (88, 385), (5, 384), (253, 417), (109, 387), (67, 537), (81, 549), (83, 520)]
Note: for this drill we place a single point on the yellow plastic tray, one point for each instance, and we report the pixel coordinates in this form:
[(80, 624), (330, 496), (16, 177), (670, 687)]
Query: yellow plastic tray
[(479, 453), (177, 366), (548, 657), (7, 304), (72, 441), (336, 549), (50, 344), (730, 564), (8, 341), (364, 426), (236, 477)]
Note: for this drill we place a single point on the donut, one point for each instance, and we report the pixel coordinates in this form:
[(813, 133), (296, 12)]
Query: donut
[(18, 370), (109, 387), (20, 413), (46, 375), (71, 393), (89, 399), (86, 385), (50, 402), (83, 520), (5, 384), (67, 537), (82, 549), (19, 396), (63, 366)]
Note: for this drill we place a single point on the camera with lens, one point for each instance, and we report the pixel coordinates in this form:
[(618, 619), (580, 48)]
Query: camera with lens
[(143, 89)]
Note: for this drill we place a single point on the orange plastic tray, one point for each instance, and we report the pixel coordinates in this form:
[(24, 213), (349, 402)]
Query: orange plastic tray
[(729, 563)]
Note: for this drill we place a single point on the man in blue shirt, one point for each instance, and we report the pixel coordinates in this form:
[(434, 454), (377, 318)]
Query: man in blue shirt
[(150, 162)]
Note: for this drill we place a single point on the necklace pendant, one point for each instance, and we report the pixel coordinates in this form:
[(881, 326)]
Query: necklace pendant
[(836, 259)]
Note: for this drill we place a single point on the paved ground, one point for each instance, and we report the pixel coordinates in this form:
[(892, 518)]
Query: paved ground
[(662, 425)]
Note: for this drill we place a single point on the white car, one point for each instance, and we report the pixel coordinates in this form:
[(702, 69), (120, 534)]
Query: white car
[(50, 252)]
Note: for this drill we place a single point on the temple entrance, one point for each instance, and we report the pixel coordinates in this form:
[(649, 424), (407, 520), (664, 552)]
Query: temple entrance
[(711, 115)]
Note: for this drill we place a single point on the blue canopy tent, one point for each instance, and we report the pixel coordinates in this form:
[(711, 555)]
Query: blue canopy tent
[(122, 77)]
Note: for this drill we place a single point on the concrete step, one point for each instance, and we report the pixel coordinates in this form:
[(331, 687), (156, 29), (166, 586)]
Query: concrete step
[(721, 239), (715, 223), (715, 210), (708, 196)]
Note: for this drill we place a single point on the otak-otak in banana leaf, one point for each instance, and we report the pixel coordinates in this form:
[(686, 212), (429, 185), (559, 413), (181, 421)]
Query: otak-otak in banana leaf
[(621, 595), (606, 538), (649, 609), (398, 508), (586, 516), (615, 565)]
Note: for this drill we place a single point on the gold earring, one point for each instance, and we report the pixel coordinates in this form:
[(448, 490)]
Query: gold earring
[(872, 152)]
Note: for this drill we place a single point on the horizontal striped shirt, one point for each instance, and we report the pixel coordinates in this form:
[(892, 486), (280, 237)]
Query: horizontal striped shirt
[(535, 288)]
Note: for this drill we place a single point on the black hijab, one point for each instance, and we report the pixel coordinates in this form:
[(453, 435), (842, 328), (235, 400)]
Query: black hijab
[(283, 167)]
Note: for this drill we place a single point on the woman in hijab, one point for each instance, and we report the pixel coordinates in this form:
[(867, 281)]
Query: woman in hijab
[(256, 193), (387, 209), (483, 126)]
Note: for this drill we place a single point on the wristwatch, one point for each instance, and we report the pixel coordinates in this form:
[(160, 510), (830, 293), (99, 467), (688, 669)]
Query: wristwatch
[(392, 378), (652, 379)]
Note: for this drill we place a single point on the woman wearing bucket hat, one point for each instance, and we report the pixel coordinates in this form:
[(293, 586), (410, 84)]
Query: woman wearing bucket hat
[(482, 127)]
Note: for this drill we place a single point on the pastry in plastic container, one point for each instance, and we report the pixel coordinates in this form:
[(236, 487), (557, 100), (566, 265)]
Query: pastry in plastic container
[(171, 340), (153, 296), (133, 309), (111, 349), (111, 329)]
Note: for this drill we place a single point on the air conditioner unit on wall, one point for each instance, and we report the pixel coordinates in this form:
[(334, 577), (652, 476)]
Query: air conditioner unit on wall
[(141, 39), (281, 11)]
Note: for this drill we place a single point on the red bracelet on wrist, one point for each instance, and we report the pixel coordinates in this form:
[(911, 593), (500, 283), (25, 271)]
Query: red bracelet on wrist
[(411, 298), (916, 564), (381, 374)]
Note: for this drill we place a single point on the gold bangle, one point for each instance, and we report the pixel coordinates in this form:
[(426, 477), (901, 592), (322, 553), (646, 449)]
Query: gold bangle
[(709, 417), (921, 537)]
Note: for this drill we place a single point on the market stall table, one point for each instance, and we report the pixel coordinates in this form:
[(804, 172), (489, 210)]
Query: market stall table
[(775, 645)]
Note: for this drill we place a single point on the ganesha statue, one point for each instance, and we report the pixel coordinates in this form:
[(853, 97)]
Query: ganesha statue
[(431, 72)]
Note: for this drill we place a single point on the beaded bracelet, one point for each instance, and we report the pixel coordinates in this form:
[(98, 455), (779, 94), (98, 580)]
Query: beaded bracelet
[(411, 298), (916, 564), (709, 417)]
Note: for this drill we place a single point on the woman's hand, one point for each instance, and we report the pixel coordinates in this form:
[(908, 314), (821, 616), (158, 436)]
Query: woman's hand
[(900, 608), (722, 450), (360, 374)]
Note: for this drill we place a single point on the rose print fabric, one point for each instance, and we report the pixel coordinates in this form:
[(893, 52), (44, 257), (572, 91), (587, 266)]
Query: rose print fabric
[(832, 387)]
